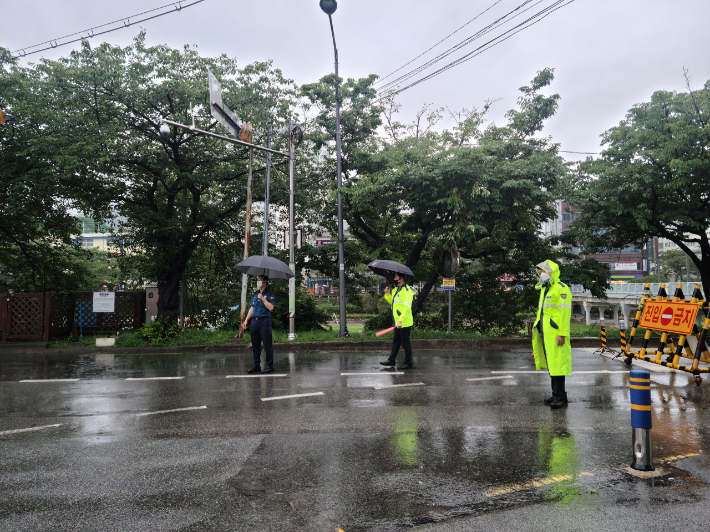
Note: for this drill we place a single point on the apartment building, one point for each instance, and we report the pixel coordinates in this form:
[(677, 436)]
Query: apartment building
[(628, 263)]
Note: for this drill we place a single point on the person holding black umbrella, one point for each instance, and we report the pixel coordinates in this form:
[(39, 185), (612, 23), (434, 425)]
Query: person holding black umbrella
[(401, 301), (262, 303), (264, 267)]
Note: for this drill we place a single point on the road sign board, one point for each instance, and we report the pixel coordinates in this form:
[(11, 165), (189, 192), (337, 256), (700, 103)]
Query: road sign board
[(220, 112), (448, 284), (670, 317)]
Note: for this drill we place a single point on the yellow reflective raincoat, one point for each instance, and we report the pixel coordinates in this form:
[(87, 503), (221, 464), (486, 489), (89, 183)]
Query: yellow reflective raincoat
[(401, 298), (554, 314)]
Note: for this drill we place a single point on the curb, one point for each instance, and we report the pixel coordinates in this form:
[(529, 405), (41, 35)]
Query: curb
[(30, 348)]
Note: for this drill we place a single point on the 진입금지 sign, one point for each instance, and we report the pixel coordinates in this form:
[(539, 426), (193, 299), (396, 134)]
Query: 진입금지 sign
[(669, 316)]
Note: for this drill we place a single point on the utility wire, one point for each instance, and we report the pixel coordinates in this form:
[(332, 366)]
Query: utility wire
[(54, 43), (490, 44), (437, 44), (490, 27)]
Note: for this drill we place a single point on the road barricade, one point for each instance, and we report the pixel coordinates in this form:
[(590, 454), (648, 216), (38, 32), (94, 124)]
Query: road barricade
[(602, 329), (670, 317)]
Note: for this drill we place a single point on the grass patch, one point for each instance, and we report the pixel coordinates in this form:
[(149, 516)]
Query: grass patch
[(190, 337), (358, 336), (226, 337), (612, 331)]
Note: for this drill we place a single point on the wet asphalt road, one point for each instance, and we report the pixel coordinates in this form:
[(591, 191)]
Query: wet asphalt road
[(428, 449)]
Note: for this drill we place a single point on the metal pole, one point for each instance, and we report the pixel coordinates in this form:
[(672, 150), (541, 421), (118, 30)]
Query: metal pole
[(658, 260), (182, 302), (247, 238), (265, 240), (291, 240), (343, 331), (687, 268), (222, 137), (182, 280), (450, 311)]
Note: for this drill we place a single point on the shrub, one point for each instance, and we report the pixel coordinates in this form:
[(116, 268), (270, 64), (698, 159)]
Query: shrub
[(159, 330), (382, 306), (480, 303), (369, 302), (438, 321), (378, 322), (309, 316)]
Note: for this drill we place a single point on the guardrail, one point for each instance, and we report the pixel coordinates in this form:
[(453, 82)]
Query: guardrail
[(633, 288)]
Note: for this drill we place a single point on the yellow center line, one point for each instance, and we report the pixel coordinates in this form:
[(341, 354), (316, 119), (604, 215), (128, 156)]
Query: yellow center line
[(510, 488), (678, 457)]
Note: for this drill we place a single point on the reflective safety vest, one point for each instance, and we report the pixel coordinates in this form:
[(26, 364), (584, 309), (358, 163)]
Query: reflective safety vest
[(401, 300), (554, 314)]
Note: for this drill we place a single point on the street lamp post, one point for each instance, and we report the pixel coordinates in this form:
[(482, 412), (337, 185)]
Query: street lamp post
[(329, 7)]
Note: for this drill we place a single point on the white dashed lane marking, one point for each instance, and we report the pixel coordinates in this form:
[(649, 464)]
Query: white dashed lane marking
[(173, 410), (295, 396), (50, 380), (256, 375), (381, 373), (398, 385), (30, 429), (154, 378), (543, 372), (491, 378)]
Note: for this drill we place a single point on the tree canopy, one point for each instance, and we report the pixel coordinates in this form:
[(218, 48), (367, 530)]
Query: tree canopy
[(173, 193), (485, 190), (652, 179), (88, 142), (37, 253)]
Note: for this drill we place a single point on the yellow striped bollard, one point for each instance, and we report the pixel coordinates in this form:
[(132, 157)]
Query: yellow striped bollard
[(603, 349), (640, 388)]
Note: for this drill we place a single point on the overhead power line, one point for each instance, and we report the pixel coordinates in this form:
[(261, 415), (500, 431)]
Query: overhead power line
[(534, 19), (91, 32), (468, 40), (442, 40)]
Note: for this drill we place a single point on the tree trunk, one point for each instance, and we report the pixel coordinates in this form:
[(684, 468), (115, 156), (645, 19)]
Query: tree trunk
[(704, 268), (169, 293), (419, 301)]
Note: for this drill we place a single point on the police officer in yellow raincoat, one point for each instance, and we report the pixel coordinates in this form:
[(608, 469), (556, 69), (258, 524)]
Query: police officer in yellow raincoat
[(551, 333), (401, 301)]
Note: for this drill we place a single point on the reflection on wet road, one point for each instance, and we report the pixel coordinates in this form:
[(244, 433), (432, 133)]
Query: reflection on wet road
[(185, 441)]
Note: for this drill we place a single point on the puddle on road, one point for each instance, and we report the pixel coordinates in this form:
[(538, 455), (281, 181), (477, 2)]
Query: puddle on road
[(48, 365)]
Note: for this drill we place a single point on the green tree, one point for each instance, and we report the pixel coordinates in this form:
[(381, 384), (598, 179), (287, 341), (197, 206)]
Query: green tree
[(175, 192), (485, 190), (673, 263), (37, 252), (652, 179)]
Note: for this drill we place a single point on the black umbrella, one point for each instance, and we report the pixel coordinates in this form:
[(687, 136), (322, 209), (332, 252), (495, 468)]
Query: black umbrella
[(383, 267), (264, 265)]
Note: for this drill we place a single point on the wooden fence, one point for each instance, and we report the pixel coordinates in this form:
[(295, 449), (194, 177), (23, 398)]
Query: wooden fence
[(42, 316)]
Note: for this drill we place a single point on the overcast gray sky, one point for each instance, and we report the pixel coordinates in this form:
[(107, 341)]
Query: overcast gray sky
[(607, 54)]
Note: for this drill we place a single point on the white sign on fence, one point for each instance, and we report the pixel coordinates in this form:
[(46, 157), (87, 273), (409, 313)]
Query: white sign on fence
[(104, 302)]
